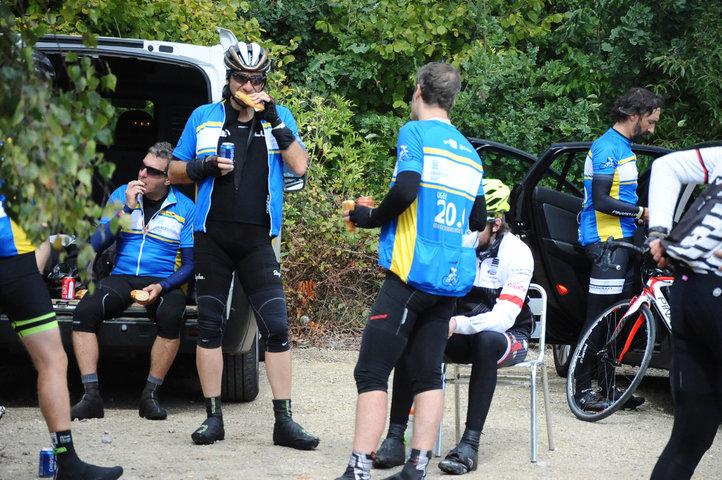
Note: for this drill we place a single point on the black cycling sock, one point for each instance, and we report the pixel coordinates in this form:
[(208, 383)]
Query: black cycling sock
[(213, 406), (63, 448), (471, 438), (396, 431), (282, 409), (91, 388), (69, 466)]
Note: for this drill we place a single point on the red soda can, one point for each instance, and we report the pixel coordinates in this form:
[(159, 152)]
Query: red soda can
[(68, 290)]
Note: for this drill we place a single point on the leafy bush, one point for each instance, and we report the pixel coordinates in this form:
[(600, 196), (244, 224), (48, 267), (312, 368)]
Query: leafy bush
[(48, 138), (330, 274)]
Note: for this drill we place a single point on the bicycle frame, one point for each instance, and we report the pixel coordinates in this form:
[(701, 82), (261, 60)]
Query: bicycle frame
[(651, 294)]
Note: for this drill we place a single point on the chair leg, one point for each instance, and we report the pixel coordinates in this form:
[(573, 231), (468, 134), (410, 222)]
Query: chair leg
[(457, 408), (547, 408), (437, 446), (533, 414)]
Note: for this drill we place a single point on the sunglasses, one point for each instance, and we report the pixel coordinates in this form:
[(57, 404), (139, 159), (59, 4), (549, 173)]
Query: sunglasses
[(242, 78), (153, 172)]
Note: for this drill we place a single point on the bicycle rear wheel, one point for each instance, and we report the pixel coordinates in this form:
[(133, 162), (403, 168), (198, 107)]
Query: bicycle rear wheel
[(610, 361)]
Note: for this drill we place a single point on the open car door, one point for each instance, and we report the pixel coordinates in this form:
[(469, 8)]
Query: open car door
[(544, 213)]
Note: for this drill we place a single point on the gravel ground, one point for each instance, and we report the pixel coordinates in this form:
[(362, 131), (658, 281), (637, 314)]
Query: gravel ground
[(624, 446)]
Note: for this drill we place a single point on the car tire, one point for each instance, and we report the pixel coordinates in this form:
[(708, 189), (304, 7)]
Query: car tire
[(240, 376), (562, 356)]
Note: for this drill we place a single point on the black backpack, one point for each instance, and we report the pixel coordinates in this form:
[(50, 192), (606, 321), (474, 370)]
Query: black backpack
[(699, 232)]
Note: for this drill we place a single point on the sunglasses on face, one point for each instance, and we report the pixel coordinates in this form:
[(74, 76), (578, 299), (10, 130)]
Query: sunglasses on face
[(242, 78), (153, 172)]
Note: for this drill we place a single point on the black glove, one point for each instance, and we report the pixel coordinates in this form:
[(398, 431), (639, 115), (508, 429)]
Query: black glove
[(284, 136), (199, 168), (270, 114), (655, 233), (361, 217)]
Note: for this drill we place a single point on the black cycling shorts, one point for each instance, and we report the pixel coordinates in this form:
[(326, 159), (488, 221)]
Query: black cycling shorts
[(24, 297), (112, 297), (404, 319)]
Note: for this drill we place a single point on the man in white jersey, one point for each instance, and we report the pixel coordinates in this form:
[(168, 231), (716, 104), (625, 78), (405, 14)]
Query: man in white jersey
[(490, 329)]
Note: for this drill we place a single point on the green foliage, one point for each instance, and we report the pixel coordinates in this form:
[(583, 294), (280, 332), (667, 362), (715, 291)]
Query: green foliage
[(316, 247), (691, 67), (172, 20), (512, 98), (375, 47), (48, 138)]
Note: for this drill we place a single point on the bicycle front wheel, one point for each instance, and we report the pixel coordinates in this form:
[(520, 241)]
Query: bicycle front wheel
[(609, 361)]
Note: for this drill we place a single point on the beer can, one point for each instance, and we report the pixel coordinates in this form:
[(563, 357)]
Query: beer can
[(47, 463), (68, 289), (228, 150)]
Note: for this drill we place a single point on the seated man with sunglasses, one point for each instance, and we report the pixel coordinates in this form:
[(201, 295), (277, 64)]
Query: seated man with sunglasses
[(160, 227)]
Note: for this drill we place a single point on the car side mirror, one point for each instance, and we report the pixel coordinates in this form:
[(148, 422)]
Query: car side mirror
[(291, 181)]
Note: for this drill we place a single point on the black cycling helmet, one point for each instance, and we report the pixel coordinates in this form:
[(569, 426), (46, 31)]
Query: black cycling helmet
[(43, 65), (250, 57)]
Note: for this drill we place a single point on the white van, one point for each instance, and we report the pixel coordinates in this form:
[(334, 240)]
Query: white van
[(158, 86)]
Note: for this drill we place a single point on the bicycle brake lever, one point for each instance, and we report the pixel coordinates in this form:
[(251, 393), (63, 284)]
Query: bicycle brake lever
[(607, 257)]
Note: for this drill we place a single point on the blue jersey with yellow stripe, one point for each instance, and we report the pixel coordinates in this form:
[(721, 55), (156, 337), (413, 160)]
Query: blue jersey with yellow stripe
[(153, 249), (423, 246), (200, 139), (13, 240), (611, 155)]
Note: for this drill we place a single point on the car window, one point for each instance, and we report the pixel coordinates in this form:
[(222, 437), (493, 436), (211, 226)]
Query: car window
[(502, 161), (566, 173)]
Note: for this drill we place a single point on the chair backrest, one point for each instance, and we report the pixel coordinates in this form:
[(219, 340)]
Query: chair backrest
[(538, 307)]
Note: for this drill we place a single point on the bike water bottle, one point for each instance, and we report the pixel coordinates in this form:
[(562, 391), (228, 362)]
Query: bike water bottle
[(409, 433)]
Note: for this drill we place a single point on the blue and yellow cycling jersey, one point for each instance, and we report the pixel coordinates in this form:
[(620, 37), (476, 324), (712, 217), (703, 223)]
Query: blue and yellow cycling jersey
[(611, 154), (423, 246), (13, 240), (152, 250), (200, 139)]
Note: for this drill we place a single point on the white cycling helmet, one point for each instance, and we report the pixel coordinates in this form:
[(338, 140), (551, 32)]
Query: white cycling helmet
[(250, 57)]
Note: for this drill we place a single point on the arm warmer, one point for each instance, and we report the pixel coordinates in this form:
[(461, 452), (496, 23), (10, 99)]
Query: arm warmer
[(670, 172), (401, 195), (180, 276), (477, 217), (104, 236), (601, 185)]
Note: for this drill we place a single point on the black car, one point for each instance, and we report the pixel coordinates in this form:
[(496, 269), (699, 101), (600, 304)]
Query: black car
[(545, 204)]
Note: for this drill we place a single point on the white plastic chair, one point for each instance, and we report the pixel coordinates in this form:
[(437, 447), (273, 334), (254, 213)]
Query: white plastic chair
[(506, 375)]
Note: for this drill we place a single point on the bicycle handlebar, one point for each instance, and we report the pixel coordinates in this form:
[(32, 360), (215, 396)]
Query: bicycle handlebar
[(611, 244)]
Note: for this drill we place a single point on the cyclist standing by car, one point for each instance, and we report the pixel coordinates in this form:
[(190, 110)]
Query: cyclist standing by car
[(491, 329), (610, 210), (696, 302), (436, 195), (160, 230), (24, 298), (238, 213)]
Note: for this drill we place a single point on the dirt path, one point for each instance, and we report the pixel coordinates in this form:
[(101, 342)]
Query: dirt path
[(624, 446)]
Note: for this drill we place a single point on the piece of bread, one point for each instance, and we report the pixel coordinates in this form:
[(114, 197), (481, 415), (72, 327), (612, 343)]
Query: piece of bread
[(139, 295), (246, 100), (79, 293), (349, 205)]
